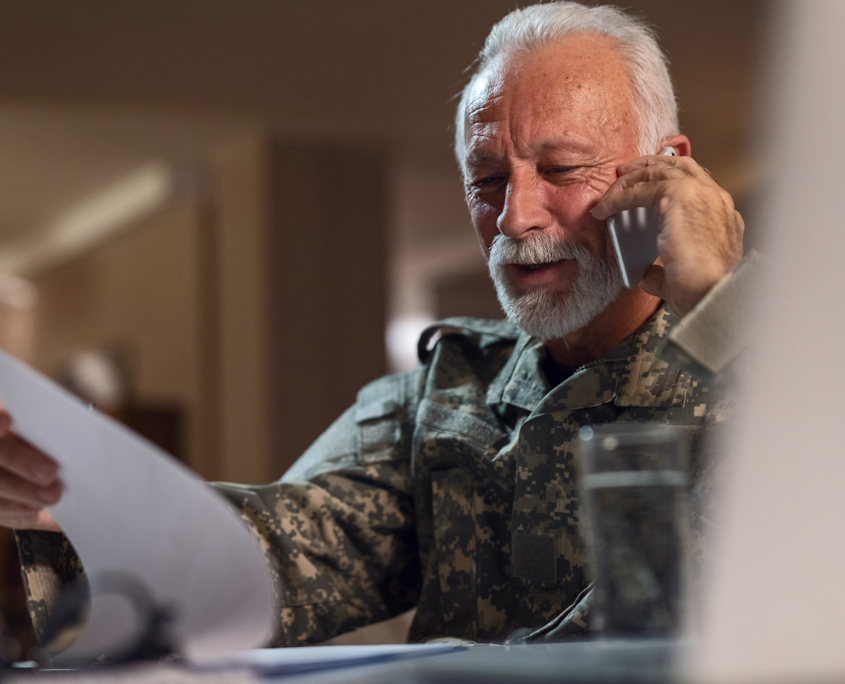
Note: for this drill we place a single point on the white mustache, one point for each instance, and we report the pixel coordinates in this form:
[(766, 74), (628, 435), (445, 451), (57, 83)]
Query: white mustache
[(537, 248)]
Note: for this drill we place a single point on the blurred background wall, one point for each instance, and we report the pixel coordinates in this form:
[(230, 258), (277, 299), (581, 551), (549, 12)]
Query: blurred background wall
[(249, 209)]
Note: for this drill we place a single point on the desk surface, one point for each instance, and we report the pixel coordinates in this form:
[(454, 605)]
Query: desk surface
[(629, 661), (608, 662)]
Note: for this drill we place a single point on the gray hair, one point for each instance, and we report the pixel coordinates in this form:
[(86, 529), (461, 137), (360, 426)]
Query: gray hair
[(532, 27)]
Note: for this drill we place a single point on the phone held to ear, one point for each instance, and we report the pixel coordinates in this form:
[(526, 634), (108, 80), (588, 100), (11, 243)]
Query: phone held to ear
[(633, 233)]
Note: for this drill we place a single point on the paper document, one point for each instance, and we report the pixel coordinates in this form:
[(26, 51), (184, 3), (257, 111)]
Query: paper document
[(288, 661), (130, 508)]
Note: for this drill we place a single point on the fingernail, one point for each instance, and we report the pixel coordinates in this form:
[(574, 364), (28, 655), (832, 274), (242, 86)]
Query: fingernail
[(43, 472)]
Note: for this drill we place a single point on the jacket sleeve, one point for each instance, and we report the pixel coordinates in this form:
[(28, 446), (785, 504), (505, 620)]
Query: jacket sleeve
[(49, 564), (338, 529), (710, 339)]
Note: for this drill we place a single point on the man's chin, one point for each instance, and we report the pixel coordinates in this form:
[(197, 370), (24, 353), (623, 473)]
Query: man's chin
[(549, 314), (559, 306), (544, 315)]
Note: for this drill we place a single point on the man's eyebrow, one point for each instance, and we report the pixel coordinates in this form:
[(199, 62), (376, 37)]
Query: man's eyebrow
[(568, 144), (479, 157), (555, 146)]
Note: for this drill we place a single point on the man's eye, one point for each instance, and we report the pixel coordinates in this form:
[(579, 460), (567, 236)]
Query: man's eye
[(560, 169), (486, 182)]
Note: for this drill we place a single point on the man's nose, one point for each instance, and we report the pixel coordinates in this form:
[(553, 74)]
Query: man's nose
[(524, 208)]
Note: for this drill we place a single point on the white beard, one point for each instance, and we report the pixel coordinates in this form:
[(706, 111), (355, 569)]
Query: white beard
[(540, 311)]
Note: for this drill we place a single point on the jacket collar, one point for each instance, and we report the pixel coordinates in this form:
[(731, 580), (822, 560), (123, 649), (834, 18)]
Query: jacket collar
[(631, 374)]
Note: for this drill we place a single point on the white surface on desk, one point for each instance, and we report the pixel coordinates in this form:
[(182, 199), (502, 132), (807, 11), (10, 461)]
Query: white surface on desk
[(135, 674), (129, 507), (279, 658), (775, 605)]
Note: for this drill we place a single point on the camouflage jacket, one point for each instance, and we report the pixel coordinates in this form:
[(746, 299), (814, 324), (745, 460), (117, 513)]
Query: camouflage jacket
[(451, 489)]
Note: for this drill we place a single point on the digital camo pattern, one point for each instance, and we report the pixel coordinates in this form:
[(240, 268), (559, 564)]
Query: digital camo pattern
[(454, 488), (49, 564)]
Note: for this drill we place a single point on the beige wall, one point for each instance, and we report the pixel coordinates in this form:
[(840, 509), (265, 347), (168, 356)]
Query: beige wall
[(328, 272), (258, 306), (237, 331), (138, 292)]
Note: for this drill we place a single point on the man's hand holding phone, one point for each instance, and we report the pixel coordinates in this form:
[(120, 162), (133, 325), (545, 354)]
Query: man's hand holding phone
[(29, 481), (700, 232)]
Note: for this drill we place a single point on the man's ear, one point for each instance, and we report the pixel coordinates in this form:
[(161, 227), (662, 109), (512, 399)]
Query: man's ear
[(680, 143)]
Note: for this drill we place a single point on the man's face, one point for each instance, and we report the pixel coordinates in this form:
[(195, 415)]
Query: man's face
[(545, 132)]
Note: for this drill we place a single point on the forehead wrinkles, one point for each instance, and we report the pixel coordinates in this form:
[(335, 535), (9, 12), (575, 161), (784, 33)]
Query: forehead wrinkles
[(578, 84), (486, 94), (483, 114), (528, 121)]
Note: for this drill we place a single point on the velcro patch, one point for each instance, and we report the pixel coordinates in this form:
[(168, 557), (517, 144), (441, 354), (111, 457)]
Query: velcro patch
[(534, 557)]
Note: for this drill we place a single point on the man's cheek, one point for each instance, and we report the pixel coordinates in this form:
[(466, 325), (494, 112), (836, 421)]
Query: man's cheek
[(589, 197), (596, 185), (484, 220)]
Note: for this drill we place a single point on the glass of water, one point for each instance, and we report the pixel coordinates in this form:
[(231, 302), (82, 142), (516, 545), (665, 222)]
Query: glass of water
[(633, 489)]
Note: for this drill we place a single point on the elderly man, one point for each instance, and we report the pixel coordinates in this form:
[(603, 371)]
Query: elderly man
[(453, 488)]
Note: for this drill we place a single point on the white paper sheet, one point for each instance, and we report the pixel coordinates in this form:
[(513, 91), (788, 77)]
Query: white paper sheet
[(129, 507), (290, 661)]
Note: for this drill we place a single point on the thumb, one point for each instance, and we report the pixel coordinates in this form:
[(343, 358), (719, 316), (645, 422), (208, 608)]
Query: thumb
[(652, 282)]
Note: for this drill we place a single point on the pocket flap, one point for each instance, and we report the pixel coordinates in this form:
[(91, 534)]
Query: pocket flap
[(377, 416)]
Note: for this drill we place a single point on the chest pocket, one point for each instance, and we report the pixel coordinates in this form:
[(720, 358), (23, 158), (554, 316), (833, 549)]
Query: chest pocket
[(377, 415), (547, 546), (453, 454)]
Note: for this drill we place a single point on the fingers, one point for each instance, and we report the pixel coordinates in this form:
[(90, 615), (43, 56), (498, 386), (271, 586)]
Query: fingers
[(24, 460), (648, 174), (18, 490), (22, 517), (641, 195), (653, 280), (646, 179), (12, 513), (685, 165), (28, 482), (739, 223), (642, 182)]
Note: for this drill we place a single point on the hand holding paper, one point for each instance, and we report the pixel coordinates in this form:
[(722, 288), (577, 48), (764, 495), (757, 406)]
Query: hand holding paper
[(130, 509), (29, 481)]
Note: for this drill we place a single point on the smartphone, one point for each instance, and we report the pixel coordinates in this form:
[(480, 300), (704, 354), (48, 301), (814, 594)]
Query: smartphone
[(633, 233)]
